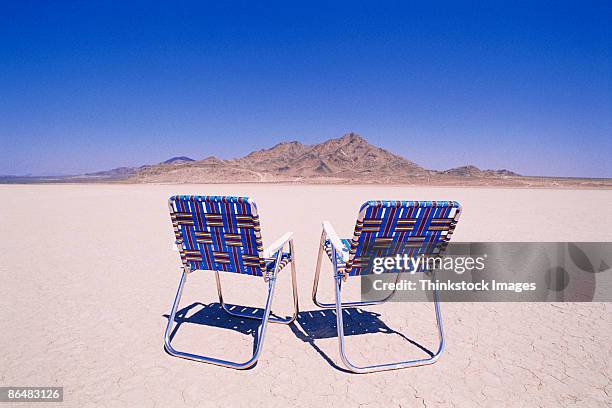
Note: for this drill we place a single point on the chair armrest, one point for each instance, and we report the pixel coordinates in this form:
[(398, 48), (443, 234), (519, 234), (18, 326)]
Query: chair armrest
[(276, 245), (335, 241)]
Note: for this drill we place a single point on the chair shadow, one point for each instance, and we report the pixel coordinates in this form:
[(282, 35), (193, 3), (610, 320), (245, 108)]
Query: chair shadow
[(321, 324), (213, 315), (313, 324)]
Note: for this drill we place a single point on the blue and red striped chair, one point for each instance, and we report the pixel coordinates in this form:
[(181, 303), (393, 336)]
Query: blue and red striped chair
[(222, 234), (385, 228)]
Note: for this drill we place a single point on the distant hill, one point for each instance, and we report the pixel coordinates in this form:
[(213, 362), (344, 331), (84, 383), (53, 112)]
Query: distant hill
[(121, 173), (473, 171), (178, 160), (118, 173)]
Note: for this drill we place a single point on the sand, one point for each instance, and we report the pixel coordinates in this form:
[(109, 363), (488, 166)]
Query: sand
[(88, 274)]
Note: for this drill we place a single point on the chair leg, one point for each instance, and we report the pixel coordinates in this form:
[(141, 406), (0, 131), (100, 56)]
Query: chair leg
[(387, 366), (315, 286), (225, 363), (273, 319)]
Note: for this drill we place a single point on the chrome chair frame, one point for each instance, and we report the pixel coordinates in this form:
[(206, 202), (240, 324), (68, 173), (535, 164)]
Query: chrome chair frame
[(276, 248), (339, 277)]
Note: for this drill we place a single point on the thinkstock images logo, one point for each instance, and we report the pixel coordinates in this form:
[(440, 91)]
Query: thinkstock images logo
[(490, 272)]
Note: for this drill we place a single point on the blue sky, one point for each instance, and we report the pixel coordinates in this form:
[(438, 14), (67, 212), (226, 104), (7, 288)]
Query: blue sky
[(525, 86)]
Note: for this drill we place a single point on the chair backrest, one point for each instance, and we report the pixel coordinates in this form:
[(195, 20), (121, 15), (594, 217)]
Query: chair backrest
[(385, 226), (218, 233)]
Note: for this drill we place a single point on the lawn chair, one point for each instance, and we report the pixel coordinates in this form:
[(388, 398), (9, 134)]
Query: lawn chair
[(222, 234), (420, 225)]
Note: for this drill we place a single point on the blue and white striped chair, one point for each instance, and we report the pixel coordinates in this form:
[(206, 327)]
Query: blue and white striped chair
[(222, 234), (419, 225)]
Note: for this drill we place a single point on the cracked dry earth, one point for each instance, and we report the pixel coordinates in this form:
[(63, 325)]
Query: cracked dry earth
[(88, 274)]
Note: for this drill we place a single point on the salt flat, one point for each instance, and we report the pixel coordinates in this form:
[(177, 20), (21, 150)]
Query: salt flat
[(88, 274)]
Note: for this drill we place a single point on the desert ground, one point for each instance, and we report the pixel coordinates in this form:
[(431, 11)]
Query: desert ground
[(89, 273)]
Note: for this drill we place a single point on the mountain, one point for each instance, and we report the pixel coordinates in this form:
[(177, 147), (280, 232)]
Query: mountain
[(345, 159), (348, 156)]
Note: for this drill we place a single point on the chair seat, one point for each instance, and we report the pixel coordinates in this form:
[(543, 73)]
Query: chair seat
[(271, 262), (328, 249)]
